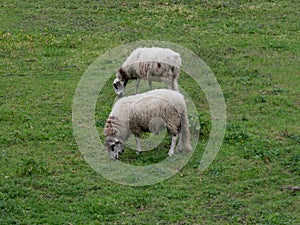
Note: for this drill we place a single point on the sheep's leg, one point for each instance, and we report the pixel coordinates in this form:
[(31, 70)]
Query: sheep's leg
[(150, 83), (149, 78), (169, 84), (174, 140), (137, 84), (179, 145), (138, 146), (175, 85)]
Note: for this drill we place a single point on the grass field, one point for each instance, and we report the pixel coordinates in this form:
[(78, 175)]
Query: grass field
[(253, 49)]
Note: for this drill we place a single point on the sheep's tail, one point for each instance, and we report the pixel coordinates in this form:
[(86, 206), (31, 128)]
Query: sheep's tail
[(185, 132)]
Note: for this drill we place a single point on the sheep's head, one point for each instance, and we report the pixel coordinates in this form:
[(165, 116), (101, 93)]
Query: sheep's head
[(119, 87), (114, 147), (120, 82)]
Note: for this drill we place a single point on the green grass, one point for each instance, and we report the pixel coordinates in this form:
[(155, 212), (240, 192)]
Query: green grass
[(252, 47)]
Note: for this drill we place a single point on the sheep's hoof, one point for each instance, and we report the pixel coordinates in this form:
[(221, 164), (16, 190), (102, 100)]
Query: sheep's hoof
[(170, 153), (177, 149), (138, 152)]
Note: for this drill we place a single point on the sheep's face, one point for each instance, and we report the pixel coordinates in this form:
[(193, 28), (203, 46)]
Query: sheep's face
[(114, 147), (119, 87)]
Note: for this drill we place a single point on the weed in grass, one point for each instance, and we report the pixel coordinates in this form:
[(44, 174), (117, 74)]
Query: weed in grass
[(235, 134), (292, 136), (293, 163), (260, 99), (261, 149), (30, 167)]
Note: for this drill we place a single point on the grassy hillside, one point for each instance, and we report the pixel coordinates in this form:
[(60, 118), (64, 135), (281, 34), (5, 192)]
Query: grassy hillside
[(252, 47)]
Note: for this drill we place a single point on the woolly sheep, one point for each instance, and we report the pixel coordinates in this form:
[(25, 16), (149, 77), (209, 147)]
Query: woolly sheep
[(148, 112), (152, 64)]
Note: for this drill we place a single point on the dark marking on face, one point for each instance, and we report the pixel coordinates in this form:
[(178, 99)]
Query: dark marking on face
[(113, 147), (115, 85), (122, 72)]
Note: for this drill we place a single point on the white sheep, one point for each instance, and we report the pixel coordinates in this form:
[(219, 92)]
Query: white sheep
[(152, 64), (148, 112)]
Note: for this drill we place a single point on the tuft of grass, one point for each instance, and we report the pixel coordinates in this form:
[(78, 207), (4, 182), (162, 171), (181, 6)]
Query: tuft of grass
[(30, 167)]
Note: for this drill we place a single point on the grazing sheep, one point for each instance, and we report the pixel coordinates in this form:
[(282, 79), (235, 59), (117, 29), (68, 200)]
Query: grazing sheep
[(152, 64), (148, 112)]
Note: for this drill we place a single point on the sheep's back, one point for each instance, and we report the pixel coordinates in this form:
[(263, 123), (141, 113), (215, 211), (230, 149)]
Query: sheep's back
[(156, 108), (154, 54), (142, 107)]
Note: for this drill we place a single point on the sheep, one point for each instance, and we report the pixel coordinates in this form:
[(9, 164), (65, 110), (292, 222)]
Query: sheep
[(151, 111), (152, 64)]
